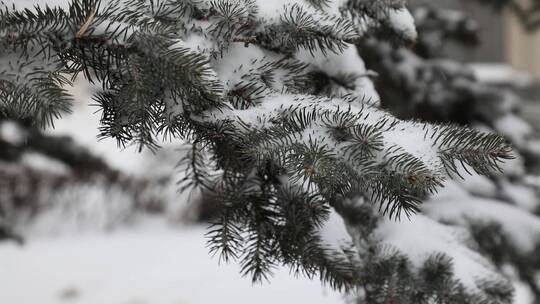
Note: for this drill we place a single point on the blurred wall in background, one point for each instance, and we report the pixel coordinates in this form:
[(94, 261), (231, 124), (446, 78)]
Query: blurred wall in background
[(503, 37), (522, 47), (491, 30)]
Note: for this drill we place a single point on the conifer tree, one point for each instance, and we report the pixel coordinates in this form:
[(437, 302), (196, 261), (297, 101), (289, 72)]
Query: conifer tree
[(438, 89), (285, 125)]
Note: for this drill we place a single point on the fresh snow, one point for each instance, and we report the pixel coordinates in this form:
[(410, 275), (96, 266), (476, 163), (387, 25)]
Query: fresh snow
[(42, 163), (403, 22), (153, 264), (236, 61), (334, 233), (421, 237), (476, 184), (513, 168), (520, 226), (168, 265), (344, 63), (513, 127), (521, 195), (498, 73), (30, 4), (271, 10), (10, 132)]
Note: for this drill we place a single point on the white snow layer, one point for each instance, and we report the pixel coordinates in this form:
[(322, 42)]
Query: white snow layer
[(403, 22), (40, 162), (149, 265), (10, 132), (334, 234), (496, 73), (477, 184), (271, 10), (171, 266), (347, 62), (30, 4), (420, 237), (521, 195), (82, 208), (521, 227), (513, 127)]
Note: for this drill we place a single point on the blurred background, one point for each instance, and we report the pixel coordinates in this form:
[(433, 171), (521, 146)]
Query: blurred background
[(508, 44), (83, 221)]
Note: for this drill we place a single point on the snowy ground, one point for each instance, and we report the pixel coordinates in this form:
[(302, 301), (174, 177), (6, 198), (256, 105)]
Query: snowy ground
[(146, 265), (149, 263)]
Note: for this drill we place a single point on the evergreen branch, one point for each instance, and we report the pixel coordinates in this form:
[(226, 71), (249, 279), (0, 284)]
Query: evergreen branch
[(300, 30), (282, 160), (319, 4), (481, 151), (224, 239), (232, 18), (40, 102)]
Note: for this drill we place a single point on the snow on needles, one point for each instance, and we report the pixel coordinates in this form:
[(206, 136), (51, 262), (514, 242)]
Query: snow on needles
[(520, 226), (420, 238), (347, 62), (334, 235), (403, 22), (271, 10)]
